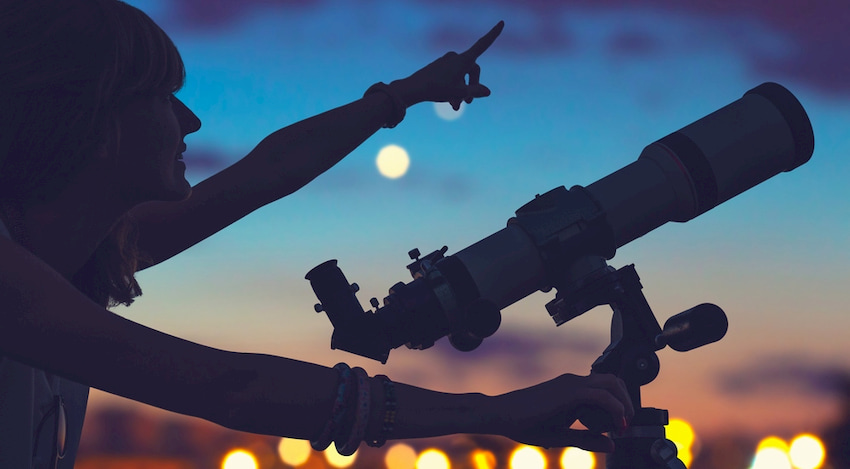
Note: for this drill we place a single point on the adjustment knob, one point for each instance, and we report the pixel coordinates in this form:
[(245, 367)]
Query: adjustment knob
[(318, 307), (374, 302), (482, 318), (413, 253), (464, 342)]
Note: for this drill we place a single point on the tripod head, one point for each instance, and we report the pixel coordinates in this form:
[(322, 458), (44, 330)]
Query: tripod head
[(631, 356)]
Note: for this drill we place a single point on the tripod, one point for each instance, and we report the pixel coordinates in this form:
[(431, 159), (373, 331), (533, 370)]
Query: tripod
[(631, 355)]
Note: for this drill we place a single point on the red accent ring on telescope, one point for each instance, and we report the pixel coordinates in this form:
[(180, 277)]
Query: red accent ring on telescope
[(698, 167)]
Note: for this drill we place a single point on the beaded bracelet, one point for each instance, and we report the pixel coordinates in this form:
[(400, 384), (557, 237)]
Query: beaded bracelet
[(339, 410), (399, 108), (361, 416), (390, 406)]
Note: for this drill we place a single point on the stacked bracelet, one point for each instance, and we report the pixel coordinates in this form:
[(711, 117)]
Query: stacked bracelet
[(350, 415), (389, 413), (332, 427), (399, 108), (352, 438)]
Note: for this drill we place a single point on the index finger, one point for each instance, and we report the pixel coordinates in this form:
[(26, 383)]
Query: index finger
[(482, 44)]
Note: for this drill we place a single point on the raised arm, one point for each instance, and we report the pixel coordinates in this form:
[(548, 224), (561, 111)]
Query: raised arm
[(291, 157)]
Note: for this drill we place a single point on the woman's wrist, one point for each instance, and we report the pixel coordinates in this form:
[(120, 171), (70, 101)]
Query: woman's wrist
[(422, 413), (407, 91)]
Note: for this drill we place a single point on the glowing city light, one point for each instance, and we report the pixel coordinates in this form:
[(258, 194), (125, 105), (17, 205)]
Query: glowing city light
[(392, 161), (400, 456), (807, 452), (293, 452), (771, 458), (444, 111), (577, 458), (482, 459), (682, 434), (239, 459), (773, 442), (337, 460), (432, 459), (527, 457)]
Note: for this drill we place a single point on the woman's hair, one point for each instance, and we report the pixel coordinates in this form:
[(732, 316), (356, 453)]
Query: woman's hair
[(66, 68)]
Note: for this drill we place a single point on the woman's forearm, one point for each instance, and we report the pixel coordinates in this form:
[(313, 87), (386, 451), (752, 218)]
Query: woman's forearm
[(295, 155), (295, 399), (425, 413)]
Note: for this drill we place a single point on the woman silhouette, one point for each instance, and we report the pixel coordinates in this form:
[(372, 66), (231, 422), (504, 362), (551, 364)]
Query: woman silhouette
[(92, 190)]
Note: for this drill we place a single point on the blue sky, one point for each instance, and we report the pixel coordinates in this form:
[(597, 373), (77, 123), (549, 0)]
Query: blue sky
[(577, 92)]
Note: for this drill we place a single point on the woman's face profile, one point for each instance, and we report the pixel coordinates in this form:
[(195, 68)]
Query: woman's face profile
[(150, 141)]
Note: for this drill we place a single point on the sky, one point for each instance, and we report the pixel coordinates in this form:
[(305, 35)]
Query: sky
[(578, 90)]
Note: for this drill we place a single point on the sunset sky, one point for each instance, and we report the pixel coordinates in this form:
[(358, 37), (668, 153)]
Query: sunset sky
[(578, 90)]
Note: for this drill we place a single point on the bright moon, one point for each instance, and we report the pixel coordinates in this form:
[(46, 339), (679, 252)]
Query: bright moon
[(392, 161), (444, 111)]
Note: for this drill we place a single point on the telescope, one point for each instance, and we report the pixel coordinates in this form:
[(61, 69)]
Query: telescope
[(562, 239)]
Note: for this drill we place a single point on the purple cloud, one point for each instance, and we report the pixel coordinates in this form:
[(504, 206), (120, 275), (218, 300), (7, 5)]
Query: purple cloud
[(524, 354), (205, 161), (545, 36), (632, 43), (818, 29), (449, 187), (204, 14), (819, 57), (787, 373)]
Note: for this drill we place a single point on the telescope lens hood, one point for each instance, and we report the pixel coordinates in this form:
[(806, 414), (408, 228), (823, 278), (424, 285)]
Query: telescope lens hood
[(795, 116)]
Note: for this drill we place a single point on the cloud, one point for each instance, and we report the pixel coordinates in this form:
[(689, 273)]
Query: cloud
[(207, 14), (784, 374), (446, 186), (524, 354), (544, 36), (206, 161), (632, 44), (818, 57)]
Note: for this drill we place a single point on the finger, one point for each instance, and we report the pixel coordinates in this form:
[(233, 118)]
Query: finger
[(482, 44), (630, 409), (474, 74), (590, 441), (478, 91), (617, 387), (606, 400)]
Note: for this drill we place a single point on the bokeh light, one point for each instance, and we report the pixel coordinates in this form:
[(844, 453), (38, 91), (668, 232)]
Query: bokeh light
[(392, 161), (444, 111), (482, 459), (293, 452), (771, 458), (239, 459), (337, 460), (807, 452), (773, 442), (682, 434), (527, 457), (577, 458), (400, 456), (433, 459)]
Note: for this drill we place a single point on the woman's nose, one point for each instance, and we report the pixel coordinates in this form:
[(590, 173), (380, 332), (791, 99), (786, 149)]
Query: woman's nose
[(189, 122)]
